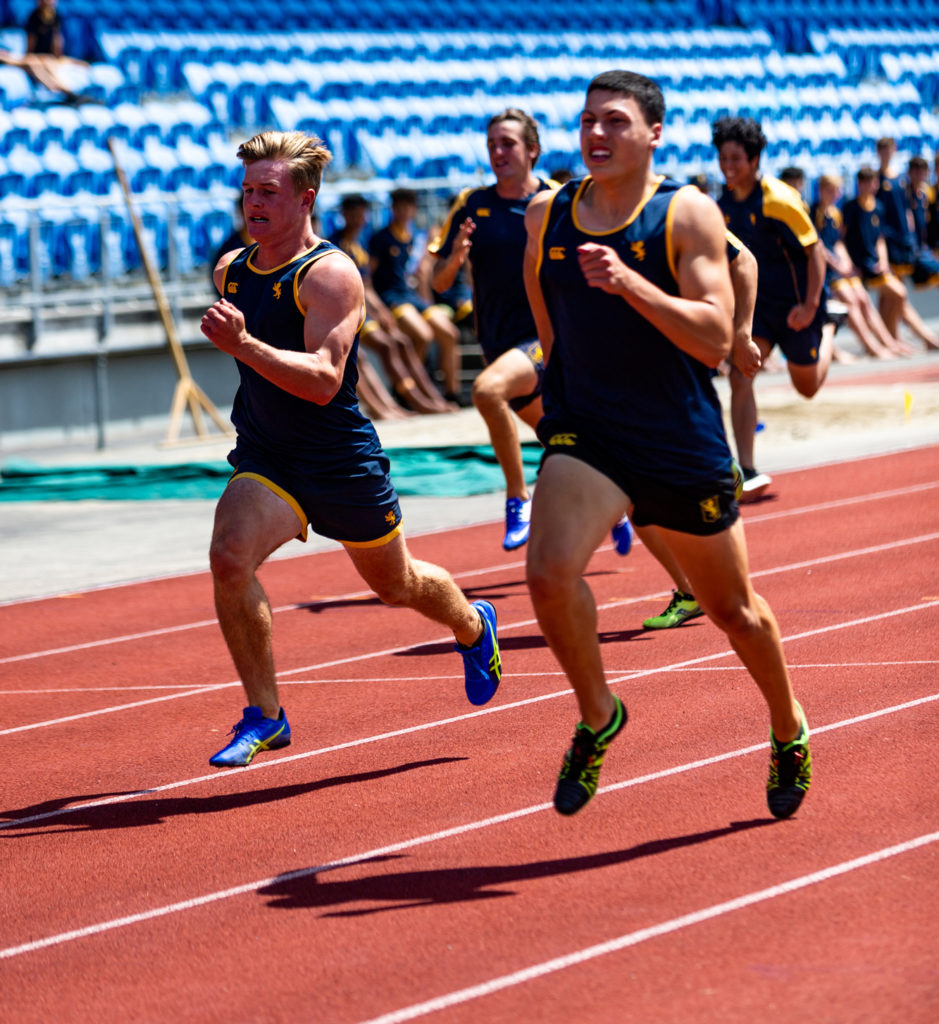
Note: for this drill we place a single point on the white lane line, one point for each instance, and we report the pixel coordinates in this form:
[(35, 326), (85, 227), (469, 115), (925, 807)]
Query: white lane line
[(675, 924), (407, 844), (358, 658), (469, 574), (450, 677)]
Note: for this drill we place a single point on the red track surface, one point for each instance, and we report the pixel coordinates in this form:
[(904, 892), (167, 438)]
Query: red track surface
[(401, 861)]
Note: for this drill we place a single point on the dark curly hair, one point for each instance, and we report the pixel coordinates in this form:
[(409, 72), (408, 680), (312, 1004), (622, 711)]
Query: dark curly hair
[(743, 130)]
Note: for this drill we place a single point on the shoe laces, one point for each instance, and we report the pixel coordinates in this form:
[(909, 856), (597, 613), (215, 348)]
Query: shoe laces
[(786, 763), (583, 748)]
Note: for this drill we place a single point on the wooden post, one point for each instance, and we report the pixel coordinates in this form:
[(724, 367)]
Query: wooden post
[(187, 390)]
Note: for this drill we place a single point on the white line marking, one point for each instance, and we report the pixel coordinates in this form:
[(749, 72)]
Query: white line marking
[(622, 942), (146, 634), (451, 677), (458, 830), (636, 674)]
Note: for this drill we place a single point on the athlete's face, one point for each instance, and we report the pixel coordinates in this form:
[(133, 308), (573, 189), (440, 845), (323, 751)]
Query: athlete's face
[(614, 134), (828, 192), (738, 169), (509, 157), (271, 204)]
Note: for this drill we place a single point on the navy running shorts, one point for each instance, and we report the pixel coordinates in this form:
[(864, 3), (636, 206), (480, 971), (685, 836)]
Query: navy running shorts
[(801, 348), (702, 509), (367, 515)]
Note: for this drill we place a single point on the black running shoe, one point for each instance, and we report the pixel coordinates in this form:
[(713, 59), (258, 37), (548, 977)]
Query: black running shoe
[(577, 782), (790, 772)]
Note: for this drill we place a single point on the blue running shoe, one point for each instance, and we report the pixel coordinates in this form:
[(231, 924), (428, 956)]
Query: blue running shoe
[(253, 734), (517, 523), (482, 664), (623, 536)]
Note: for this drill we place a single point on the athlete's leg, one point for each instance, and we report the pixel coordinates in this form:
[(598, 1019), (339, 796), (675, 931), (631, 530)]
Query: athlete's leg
[(914, 321), (374, 396), (447, 336), (876, 323), (251, 522), (718, 570), (510, 376), (807, 379), (743, 414), (405, 582), (655, 544), (415, 327), (574, 509), (892, 299)]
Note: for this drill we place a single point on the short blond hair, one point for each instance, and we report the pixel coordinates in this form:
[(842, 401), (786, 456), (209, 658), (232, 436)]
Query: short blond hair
[(830, 181), (306, 155)]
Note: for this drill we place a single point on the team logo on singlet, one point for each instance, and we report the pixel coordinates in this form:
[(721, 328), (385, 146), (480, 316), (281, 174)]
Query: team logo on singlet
[(277, 288), (638, 250), (232, 287), (391, 518), (710, 509), (556, 252), (565, 440), (483, 211)]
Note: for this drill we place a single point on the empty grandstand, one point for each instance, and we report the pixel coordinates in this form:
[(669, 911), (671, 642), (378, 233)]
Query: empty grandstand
[(401, 91)]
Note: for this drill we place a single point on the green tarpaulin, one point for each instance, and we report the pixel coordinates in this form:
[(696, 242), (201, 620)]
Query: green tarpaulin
[(454, 471)]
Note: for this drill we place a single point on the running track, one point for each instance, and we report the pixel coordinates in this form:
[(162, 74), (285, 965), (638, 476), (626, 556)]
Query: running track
[(401, 861)]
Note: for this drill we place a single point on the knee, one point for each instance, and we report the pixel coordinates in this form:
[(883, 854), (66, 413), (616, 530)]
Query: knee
[(487, 392), (394, 592), (549, 579), (807, 388), (229, 560), (737, 619)]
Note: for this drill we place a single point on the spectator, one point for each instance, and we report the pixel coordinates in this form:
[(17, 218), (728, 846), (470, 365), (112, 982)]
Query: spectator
[(843, 279), (921, 199), (907, 258), (44, 30), (391, 267), (44, 60), (864, 239), (380, 333)]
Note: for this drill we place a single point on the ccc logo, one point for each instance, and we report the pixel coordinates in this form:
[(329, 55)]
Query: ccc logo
[(563, 440)]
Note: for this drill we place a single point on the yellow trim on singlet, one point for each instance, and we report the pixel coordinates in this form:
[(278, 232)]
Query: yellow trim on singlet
[(651, 188), (377, 543), (281, 493), (542, 231), (273, 270)]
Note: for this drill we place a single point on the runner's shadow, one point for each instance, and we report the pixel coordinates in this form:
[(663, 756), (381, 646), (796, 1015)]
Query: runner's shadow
[(310, 889), (531, 642), (157, 810)]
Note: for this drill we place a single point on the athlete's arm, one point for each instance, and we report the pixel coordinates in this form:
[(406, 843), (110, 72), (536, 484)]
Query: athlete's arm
[(801, 315), (699, 319), (447, 268), (333, 314), (535, 214), (218, 274), (745, 352)]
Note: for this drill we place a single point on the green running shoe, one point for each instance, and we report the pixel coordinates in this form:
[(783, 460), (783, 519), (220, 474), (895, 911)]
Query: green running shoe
[(577, 782), (681, 608), (790, 772)]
